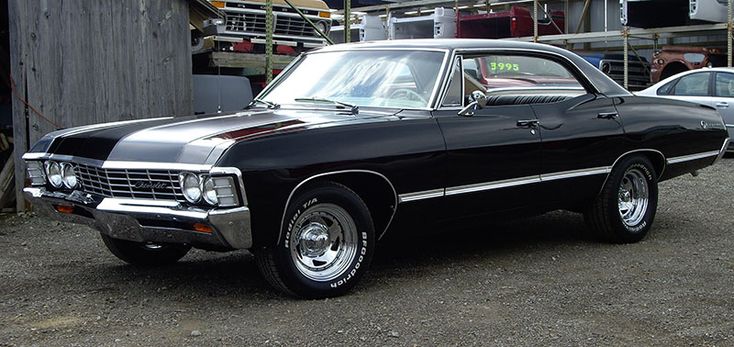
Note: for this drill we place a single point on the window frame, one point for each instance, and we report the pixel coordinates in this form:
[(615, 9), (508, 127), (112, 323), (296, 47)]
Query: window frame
[(713, 84), (565, 62)]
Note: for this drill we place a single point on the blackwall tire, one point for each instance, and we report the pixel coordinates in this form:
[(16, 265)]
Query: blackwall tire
[(145, 254), (625, 209), (326, 245)]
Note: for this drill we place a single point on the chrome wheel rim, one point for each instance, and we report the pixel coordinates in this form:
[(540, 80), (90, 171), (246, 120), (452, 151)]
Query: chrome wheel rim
[(324, 242), (633, 197)]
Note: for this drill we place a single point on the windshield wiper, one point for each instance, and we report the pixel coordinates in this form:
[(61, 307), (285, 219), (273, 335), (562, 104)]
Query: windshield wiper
[(268, 104), (353, 108)]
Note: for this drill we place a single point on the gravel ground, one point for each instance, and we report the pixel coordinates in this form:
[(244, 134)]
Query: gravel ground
[(531, 282)]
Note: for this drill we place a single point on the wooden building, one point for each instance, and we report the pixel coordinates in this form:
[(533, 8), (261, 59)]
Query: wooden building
[(90, 61)]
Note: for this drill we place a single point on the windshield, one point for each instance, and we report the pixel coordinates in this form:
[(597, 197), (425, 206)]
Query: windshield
[(397, 79)]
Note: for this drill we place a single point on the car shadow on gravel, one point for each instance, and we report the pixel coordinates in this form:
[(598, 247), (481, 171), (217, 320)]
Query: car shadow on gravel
[(235, 274)]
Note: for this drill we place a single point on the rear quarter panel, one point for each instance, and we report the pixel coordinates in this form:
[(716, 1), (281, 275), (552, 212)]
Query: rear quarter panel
[(675, 128)]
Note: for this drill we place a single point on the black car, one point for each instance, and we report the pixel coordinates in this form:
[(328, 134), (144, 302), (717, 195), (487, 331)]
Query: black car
[(354, 142)]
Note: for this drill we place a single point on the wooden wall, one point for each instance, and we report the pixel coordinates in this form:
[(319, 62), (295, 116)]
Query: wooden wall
[(91, 61)]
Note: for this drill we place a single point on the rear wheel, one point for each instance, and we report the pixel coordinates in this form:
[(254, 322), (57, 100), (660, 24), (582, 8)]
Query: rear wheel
[(145, 253), (327, 244), (625, 209)]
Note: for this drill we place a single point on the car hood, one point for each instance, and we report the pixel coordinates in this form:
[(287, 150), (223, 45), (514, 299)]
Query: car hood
[(187, 140)]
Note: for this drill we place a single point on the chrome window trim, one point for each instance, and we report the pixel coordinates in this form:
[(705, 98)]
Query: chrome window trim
[(431, 101), (520, 50), (444, 93), (694, 156), (299, 185)]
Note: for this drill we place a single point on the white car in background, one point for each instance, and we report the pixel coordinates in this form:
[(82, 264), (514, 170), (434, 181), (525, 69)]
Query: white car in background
[(709, 86), (709, 10)]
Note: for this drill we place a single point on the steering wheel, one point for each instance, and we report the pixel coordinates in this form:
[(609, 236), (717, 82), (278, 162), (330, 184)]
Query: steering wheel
[(411, 95)]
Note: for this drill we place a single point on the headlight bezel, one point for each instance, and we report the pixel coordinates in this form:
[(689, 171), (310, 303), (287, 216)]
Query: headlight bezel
[(68, 183), (56, 167), (195, 185)]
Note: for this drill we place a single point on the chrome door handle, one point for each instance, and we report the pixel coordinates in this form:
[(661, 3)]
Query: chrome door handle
[(607, 115), (527, 123), (722, 104)]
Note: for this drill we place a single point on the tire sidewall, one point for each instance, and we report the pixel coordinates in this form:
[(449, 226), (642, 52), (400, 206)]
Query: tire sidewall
[(365, 242), (638, 231)]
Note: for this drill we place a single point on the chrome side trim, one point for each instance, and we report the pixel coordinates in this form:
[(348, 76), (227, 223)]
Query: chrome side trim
[(478, 187), (729, 125), (724, 147), (299, 185), (575, 173), (695, 156), (426, 194)]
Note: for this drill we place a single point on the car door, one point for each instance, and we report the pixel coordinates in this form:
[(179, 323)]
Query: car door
[(582, 137), (493, 157), (724, 98)]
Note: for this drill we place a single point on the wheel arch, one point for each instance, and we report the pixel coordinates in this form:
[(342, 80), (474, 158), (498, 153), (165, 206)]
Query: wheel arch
[(376, 190), (656, 157)]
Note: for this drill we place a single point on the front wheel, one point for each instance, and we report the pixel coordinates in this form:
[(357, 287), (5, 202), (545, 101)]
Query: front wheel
[(625, 209), (326, 245), (145, 254)]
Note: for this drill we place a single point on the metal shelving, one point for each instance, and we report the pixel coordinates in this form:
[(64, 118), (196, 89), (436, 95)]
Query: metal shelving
[(624, 35)]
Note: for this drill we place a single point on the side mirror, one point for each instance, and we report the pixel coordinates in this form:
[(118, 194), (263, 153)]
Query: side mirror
[(478, 100)]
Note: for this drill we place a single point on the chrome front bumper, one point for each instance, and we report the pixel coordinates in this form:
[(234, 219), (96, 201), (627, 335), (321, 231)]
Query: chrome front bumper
[(147, 220)]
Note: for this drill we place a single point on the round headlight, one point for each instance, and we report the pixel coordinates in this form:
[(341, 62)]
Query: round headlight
[(53, 173), (68, 175), (323, 26), (191, 187), (210, 194)]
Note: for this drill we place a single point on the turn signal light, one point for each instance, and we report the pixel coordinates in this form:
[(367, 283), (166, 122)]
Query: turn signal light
[(65, 209), (217, 4), (325, 14), (203, 228)]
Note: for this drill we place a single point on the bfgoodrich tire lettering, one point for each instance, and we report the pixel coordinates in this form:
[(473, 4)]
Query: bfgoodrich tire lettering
[(625, 209), (327, 245)]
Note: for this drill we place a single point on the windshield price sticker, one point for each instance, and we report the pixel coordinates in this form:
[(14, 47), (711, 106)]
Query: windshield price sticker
[(494, 66)]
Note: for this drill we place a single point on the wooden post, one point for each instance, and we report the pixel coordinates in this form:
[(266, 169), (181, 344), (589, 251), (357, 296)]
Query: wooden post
[(269, 27), (347, 21)]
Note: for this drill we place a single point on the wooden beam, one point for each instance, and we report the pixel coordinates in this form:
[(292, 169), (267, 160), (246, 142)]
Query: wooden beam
[(253, 64)]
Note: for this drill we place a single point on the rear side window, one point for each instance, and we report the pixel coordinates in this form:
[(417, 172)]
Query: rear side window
[(696, 84), (724, 85)]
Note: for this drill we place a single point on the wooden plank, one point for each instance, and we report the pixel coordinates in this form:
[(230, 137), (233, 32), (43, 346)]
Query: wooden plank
[(93, 61), (18, 43), (254, 63), (7, 183)]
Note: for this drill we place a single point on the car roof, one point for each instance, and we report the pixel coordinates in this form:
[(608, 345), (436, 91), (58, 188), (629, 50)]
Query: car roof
[(601, 82)]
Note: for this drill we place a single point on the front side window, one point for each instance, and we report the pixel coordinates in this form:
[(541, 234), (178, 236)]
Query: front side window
[(390, 78), (696, 84), (724, 84)]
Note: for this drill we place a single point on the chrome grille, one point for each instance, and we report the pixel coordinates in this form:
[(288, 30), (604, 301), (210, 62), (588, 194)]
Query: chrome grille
[(255, 23), (134, 184), (250, 22), (295, 26)]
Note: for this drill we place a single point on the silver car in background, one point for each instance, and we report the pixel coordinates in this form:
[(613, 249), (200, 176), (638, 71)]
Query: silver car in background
[(709, 10), (709, 86)]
